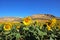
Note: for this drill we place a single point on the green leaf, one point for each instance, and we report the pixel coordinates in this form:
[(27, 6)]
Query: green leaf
[(17, 35), (13, 34), (6, 33), (51, 38), (44, 33), (41, 33), (26, 28), (52, 35), (59, 32)]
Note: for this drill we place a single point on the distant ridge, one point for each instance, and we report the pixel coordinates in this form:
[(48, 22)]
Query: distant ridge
[(34, 17), (42, 16), (10, 19)]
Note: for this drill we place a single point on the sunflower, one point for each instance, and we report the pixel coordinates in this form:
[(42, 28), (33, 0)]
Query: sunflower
[(7, 26), (48, 28), (53, 21), (27, 21)]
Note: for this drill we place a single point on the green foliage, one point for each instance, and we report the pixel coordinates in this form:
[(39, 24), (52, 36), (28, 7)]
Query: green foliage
[(9, 35), (34, 31)]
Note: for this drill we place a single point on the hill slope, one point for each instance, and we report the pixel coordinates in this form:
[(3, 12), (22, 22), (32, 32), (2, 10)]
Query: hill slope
[(40, 17)]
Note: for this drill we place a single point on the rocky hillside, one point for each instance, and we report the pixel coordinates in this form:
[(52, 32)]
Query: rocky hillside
[(10, 19), (40, 17)]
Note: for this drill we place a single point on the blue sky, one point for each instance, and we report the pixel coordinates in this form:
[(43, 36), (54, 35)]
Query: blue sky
[(22, 8)]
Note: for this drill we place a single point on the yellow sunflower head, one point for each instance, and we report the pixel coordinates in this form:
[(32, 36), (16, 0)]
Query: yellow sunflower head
[(53, 21), (48, 28), (27, 21), (7, 26)]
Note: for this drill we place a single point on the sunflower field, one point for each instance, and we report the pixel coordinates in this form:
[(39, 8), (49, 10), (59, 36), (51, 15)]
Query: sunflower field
[(28, 29)]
